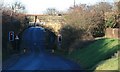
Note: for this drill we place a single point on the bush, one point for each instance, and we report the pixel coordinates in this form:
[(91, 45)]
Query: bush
[(14, 23), (110, 22), (71, 35)]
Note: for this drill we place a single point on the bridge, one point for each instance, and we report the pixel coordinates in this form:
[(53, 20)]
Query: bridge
[(53, 22)]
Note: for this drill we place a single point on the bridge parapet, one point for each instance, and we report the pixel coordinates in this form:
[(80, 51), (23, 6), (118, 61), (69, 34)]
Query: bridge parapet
[(47, 18)]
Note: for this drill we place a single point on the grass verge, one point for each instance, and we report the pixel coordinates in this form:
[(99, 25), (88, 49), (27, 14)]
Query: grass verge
[(110, 64), (98, 51)]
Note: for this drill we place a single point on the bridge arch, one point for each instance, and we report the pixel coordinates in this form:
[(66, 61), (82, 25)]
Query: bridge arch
[(33, 39), (37, 39)]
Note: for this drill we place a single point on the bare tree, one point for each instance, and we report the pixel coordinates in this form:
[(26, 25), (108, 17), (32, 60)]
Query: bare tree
[(118, 6), (82, 23), (103, 7), (18, 7)]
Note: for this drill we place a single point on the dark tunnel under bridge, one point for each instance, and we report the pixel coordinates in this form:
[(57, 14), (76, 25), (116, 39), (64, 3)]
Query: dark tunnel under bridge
[(37, 39)]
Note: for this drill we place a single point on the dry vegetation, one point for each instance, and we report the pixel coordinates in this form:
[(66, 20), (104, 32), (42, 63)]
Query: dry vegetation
[(84, 23), (11, 21)]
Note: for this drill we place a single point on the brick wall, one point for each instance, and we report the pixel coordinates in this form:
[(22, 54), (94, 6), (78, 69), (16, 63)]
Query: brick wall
[(112, 33)]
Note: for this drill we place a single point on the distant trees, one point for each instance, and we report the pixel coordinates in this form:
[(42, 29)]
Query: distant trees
[(51, 11), (102, 7)]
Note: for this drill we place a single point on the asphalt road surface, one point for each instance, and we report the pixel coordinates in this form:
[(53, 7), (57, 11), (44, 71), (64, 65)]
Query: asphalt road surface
[(34, 57)]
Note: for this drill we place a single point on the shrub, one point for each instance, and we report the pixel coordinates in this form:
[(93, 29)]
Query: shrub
[(71, 35)]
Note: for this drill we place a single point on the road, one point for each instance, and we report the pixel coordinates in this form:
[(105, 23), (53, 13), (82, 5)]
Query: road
[(35, 56)]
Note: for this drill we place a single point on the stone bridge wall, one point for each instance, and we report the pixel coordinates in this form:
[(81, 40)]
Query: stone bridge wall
[(48, 18)]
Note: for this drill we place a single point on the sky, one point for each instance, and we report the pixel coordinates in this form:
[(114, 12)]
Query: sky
[(40, 6)]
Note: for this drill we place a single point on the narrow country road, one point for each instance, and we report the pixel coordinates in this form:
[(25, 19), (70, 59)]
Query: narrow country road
[(35, 57)]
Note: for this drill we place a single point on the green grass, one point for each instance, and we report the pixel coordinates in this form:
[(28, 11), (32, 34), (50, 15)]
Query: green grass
[(110, 64), (98, 51)]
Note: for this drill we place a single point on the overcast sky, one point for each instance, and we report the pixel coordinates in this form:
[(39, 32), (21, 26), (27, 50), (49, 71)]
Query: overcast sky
[(39, 6)]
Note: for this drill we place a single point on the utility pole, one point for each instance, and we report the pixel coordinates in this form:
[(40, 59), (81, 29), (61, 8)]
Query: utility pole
[(74, 3), (35, 20)]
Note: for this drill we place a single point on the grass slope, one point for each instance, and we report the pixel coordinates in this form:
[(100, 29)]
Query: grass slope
[(110, 64), (98, 51)]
